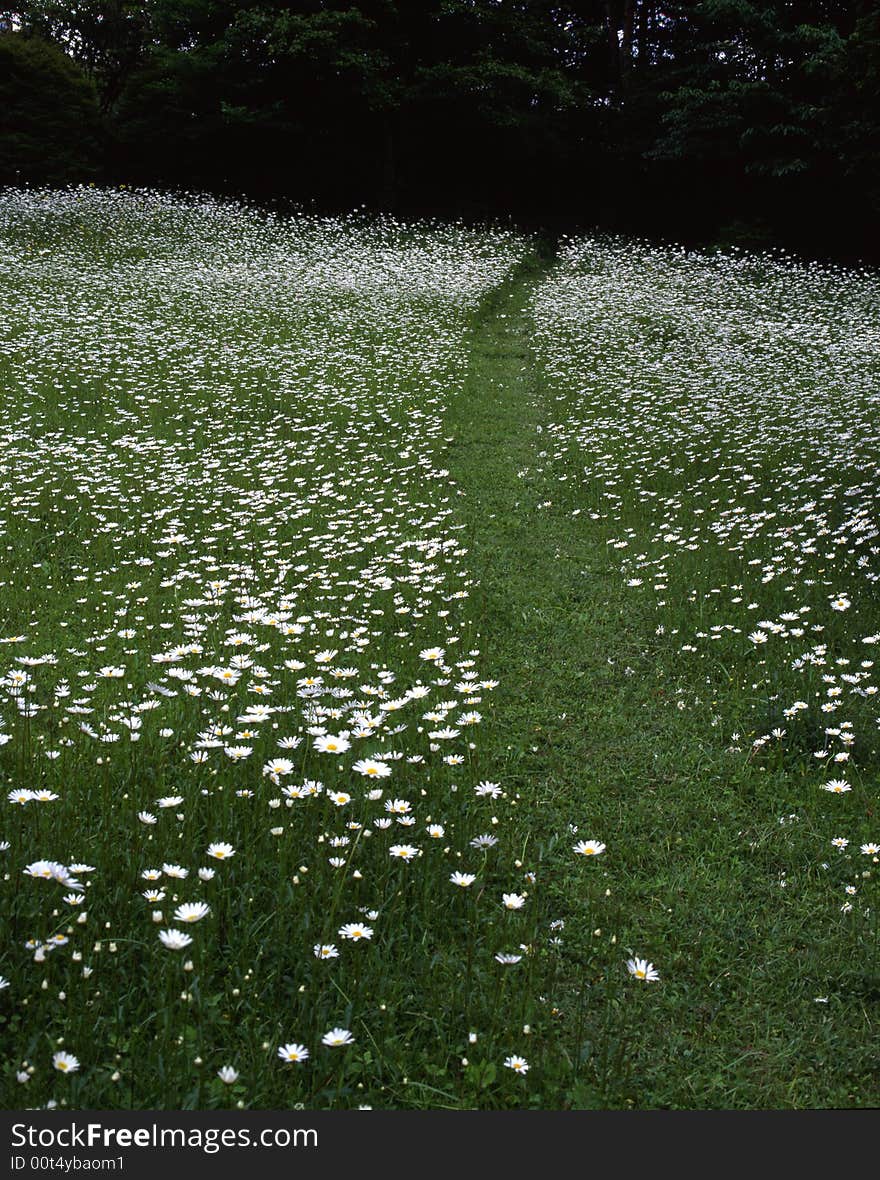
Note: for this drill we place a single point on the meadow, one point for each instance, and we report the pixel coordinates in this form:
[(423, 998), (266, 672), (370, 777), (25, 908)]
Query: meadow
[(438, 666)]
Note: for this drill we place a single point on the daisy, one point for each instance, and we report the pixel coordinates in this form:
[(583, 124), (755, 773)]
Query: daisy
[(371, 768), (332, 745), (484, 841), (403, 851), (191, 911), (517, 1064), (40, 868), (221, 851), (513, 901), (434, 654), (337, 1036), (65, 1062), (589, 848), (293, 1053), (462, 879), (174, 940), (642, 969), (355, 931), (325, 950), (278, 766)]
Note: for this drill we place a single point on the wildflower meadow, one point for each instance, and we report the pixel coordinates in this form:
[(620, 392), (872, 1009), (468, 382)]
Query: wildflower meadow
[(438, 666)]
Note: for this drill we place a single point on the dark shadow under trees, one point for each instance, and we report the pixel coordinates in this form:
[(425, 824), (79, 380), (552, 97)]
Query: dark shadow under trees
[(750, 121)]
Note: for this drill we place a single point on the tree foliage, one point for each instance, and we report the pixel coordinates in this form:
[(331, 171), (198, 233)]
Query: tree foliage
[(660, 114), (49, 118)]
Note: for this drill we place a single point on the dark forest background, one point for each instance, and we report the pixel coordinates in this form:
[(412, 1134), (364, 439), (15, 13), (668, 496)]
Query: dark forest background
[(737, 121)]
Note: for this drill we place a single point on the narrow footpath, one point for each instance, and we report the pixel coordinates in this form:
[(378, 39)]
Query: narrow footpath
[(553, 622), (587, 727)]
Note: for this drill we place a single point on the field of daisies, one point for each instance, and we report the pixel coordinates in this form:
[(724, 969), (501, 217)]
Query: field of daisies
[(266, 838)]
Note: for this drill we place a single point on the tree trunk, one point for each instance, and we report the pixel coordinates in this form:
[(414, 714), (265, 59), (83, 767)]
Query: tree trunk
[(626, 42), (613, 44), (643, 36), (388, 193)]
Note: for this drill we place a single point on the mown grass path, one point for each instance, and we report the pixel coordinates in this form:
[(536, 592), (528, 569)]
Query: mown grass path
[(589, 728)]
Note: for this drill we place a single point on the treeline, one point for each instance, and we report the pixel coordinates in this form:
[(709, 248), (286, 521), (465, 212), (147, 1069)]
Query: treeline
[(716, 119)]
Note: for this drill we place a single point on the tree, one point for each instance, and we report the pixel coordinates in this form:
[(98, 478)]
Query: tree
[(654, 115), (107, 37), (49, 116), (371, 99)]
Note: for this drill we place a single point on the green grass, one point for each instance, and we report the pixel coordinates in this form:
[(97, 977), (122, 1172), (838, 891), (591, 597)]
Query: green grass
[(588, 725), (319, 449)]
